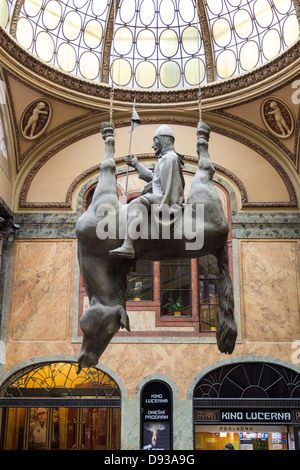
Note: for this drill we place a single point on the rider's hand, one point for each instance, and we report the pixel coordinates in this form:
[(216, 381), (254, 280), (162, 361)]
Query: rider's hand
[(131, 160)]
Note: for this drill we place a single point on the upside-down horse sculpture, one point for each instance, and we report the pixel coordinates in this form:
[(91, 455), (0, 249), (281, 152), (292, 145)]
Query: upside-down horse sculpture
[(105, 261)]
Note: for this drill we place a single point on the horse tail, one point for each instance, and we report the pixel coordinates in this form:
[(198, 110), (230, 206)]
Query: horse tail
[(226, 329)]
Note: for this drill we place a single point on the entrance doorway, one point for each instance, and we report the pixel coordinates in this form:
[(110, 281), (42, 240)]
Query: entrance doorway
[(250, 405), (51, 407), (60, 428)]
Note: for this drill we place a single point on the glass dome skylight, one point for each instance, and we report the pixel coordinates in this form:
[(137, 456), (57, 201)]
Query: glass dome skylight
[(152, 44)]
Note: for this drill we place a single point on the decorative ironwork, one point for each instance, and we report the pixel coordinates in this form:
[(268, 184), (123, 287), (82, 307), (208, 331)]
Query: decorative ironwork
[(60, 379), (153, 43), (248, 380)]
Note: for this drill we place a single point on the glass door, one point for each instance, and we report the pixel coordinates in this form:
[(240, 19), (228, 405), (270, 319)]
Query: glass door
[(60, 429)]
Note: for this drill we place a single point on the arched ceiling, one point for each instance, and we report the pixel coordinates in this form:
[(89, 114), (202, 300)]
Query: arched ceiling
[(152, 44)]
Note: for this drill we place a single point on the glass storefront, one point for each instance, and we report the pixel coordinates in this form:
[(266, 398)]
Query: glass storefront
[(60, 428), (250, 405), (261, 437), (87, 415)]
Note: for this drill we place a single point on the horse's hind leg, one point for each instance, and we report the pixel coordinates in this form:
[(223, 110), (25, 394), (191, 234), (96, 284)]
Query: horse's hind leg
[(227, 329)]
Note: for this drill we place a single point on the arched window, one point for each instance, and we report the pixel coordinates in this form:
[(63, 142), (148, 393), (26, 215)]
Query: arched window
[(256, 380), (52, 406)]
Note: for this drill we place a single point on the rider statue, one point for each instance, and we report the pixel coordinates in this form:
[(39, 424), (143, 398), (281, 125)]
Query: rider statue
[(165, 183)]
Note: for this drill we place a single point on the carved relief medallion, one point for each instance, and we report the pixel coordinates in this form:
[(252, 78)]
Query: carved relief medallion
[(277, 117), (35, 118)]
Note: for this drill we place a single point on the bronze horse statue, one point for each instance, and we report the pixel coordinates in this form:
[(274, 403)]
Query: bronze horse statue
[(105, 276)]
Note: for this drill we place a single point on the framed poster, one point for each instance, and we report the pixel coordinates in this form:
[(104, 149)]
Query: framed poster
[(156, 416)]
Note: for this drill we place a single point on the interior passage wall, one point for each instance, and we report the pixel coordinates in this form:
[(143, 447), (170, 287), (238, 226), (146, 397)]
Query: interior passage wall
[(41, 313)]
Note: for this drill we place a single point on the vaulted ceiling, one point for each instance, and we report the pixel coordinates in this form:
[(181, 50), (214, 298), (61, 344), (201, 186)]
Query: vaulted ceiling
[(87, 68)]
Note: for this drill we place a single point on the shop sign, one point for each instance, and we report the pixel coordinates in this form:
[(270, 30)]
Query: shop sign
[(208, 416), (156, 414), (245, 416), (256, 415)]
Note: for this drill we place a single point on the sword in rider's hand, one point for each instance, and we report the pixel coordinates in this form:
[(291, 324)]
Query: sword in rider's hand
[(135, 122)]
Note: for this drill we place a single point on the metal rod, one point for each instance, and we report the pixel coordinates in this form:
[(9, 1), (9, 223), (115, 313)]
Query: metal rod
[(129, 151)]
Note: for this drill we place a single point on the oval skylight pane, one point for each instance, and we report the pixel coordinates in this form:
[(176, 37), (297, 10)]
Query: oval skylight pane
[(187, 10), (290, 30), (271, 44), (167, 12), (93, 34), (243, 23), (263, 13), (194, 71), (168, 43), (191, 40), (66, 57), (150, 32), (145, 74), (123, 41), (79, 3), (4, 13), (99, 7), (283, 6), (127, 10), (24, 33), (169, 74), (215, 6), (234, 3), (226, 64), (44, 46), (89, 65), (121, 72), (72, 25), (32, 7), (145, 42), (52, 15), (147, 12), (249, 55), (222, 32)]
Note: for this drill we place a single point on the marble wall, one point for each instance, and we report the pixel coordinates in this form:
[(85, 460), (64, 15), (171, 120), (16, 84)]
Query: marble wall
[(270, 289), (41, 298), (41, 313)]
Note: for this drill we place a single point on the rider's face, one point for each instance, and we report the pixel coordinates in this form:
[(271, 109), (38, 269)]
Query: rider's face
[(157, 145)]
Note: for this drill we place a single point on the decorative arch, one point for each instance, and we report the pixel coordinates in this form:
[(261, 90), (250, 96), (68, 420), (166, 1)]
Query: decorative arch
[(49, 404), (19, 376), (157, 376), (245, 203), (265, 377)]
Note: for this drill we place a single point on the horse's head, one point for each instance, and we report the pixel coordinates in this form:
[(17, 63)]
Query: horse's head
[(99, 325)]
